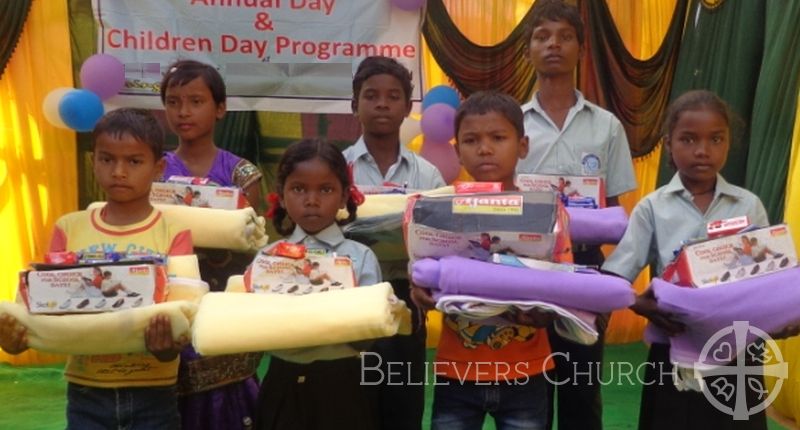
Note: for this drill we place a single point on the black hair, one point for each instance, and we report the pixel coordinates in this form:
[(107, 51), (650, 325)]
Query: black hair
[(182, 72), (379, 65), (483, 102), (139, 123), (695, 100), (556, 10), (305, 150)]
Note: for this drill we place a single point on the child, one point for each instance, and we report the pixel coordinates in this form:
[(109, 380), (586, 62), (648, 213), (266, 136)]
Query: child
[(508, 382), (697, 137), (381, 101), (215, 392), (135, 391), (193, 95), (313, 185), (571, 136)]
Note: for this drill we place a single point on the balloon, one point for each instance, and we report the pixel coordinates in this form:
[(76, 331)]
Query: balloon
[(415, 145), (438, 123), (50, 106), (441, 94), (80, 109), (408, 4), (103, 75), (409, 130), (444, 157)]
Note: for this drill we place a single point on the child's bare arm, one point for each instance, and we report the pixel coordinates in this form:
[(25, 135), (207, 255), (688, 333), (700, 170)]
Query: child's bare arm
[(534, 318), (158, 339), (13, 335)]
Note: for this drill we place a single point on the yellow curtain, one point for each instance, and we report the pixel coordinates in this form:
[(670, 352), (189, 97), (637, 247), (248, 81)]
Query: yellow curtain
[(642, 25), (38, 170), (787, 403)]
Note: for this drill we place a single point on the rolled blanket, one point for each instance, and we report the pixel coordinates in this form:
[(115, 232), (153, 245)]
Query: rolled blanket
[(769, 303), (597, 226), (229, 323), (592, 292), (380, 223), (104, 333), (573, 324), (235, 230)]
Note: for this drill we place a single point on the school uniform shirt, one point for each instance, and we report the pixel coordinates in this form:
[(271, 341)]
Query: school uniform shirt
[(591, 143), (665, 218), (410, 170), (85, 231)]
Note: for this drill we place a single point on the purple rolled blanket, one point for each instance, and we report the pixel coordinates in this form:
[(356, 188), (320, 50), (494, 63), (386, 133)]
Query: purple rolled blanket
[(592, 292), (597, 226), (769, 303)]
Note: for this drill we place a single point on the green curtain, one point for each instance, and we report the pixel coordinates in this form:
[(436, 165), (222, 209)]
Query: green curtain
[(472, 67), (721, 52), (636, 91), (12, 20), (775, 106)]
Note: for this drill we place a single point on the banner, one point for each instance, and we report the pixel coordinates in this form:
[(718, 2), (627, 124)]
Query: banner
[(275, 55)]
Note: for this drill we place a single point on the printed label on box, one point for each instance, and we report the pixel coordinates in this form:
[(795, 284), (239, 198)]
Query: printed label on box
[(476, 226), (310, 274), (204, 196), (90, 289), (734, 257), (580, 189)]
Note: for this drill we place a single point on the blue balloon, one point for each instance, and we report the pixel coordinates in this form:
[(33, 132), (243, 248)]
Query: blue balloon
[(80, 109), (441, 94)]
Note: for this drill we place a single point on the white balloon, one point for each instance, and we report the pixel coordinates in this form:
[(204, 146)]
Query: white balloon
[(50, 107), (409, 130)]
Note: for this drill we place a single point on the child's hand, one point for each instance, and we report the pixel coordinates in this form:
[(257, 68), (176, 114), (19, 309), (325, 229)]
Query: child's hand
[(158, 339), (786, 332), (533, 318), (422, 298), (13, 335), (647, 306)]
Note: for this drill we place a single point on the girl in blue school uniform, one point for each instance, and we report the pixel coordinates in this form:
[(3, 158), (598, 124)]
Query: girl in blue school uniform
[(313, 183), (697, 137)]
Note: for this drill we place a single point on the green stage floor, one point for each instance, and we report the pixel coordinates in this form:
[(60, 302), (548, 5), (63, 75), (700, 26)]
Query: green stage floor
[(32, 398)]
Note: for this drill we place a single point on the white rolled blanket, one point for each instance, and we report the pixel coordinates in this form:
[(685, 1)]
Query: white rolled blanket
[(235, 230), (103, 333), (228, 323)]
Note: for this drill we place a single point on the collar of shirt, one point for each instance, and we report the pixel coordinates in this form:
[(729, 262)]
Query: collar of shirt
[(675, 185), (331, 236), (360, 150), (535, 106)]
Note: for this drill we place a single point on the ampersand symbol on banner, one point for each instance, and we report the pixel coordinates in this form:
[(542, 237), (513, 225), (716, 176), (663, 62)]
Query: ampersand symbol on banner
[(263, 22)]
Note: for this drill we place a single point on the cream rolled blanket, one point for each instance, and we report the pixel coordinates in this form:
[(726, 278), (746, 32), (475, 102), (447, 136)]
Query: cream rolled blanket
[(235, 230), (228, 323), (103, 333)]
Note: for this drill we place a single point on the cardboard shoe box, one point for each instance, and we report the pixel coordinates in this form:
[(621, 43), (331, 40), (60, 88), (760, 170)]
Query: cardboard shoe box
[(205, 196), (89, 288), (583, 191), (526, 224), (733, 258), (298, 276)]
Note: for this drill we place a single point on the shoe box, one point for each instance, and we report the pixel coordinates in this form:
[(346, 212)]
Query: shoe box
[(298, 272), (575, 191), (90, 288), (525, 224), (733, 257), (188, 192)]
